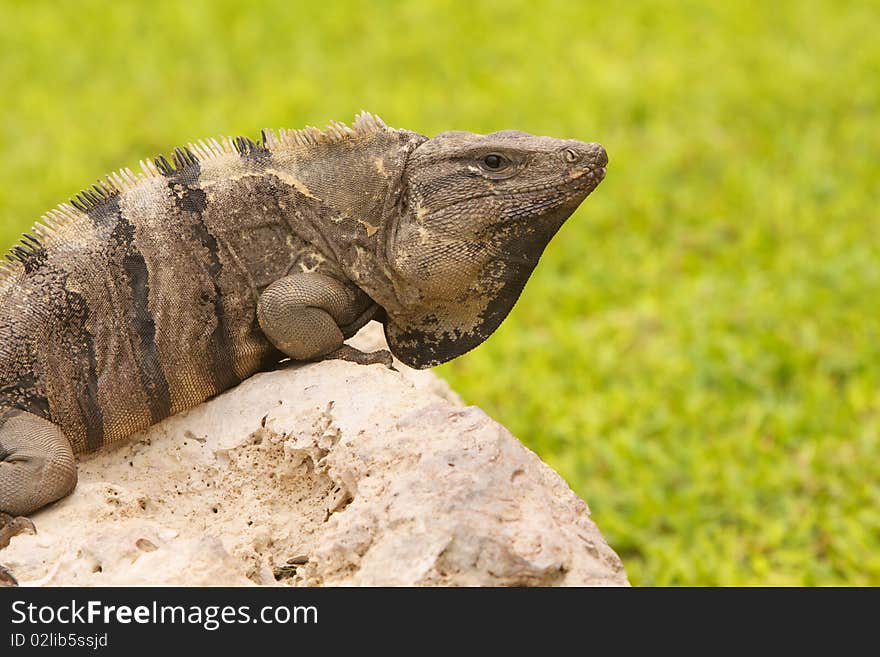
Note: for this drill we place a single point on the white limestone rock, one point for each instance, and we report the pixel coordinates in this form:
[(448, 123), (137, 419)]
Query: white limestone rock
[(321, 474)]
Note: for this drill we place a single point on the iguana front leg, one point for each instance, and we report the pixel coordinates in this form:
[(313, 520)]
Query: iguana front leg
[(309, 316)]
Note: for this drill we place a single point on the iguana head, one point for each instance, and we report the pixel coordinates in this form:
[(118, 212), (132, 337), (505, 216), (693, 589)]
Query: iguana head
[(480, 209)]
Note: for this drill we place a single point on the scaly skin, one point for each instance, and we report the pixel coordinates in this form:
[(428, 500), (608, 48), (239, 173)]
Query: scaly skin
[(149, 294)]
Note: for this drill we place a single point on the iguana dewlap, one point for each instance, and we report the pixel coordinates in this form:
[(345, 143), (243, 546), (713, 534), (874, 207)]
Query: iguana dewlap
[(152, 292)]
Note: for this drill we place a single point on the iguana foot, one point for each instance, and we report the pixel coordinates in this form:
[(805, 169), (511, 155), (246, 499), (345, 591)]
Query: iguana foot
[(352, 355), (6, 577), (11, 526)]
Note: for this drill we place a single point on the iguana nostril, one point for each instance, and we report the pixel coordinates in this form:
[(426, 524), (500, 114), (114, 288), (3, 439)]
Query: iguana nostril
[(596, 155)]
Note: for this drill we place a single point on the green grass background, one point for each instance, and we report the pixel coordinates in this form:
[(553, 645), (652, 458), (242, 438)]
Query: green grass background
[(698, 353)]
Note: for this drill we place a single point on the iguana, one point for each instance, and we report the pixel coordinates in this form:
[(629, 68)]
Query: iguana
[(149, 293)]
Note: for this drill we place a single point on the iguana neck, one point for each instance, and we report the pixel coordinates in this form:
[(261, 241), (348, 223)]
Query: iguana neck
[(353, 189)]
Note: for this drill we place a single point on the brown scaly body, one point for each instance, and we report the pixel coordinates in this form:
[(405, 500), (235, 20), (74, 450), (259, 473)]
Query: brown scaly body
[(150, 293)]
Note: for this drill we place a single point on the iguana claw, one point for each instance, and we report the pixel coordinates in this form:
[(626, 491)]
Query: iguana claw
[(6, 577), (13, 526), (10, 527)]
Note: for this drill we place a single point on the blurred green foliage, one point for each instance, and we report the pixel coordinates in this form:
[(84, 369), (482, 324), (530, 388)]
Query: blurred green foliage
[(699, 351)]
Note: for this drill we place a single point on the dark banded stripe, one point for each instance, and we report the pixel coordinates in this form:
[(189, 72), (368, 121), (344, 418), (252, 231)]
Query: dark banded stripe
[(99, 205), (190, 198), (142, 327), (222, 368), (152, 375), (82, 349)]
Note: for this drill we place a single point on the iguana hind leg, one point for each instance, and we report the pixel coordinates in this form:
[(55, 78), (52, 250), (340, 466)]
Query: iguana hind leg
[(308, 317), (36, 468)]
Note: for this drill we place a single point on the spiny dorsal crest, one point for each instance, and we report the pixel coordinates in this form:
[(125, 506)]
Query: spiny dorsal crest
[(365, 124), (30, 249)]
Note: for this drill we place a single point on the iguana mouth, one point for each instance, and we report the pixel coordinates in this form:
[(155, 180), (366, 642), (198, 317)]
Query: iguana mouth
[(597, 172)]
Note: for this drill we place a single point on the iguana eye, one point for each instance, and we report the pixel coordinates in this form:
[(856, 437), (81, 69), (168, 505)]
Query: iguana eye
[(494, 161), (570, 155)]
